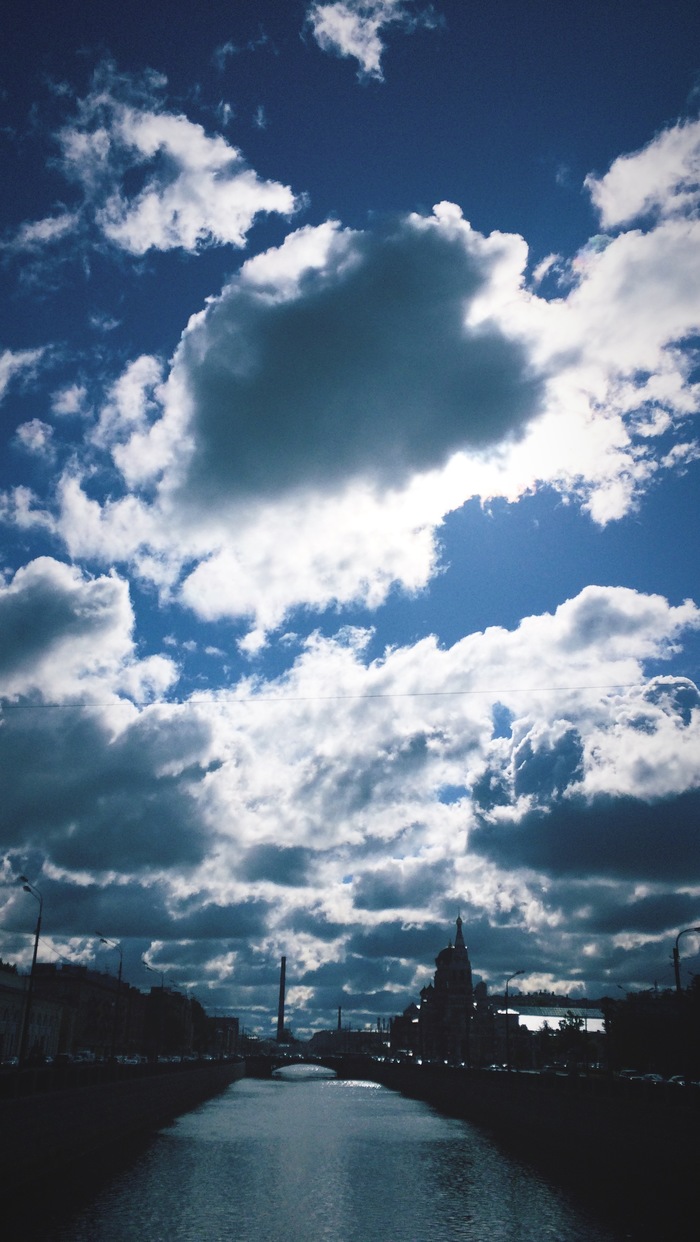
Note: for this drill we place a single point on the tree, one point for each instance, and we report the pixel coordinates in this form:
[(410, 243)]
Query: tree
[(570, 1037)]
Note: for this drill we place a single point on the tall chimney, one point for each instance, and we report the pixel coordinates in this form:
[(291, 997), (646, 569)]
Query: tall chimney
[(340, 1014), (280, 1007)]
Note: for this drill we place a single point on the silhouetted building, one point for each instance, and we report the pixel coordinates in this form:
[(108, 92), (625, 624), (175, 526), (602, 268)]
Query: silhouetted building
[(91, 1005), (44, 1018), (405, 1031), (222, 1036), (344, 1041), (447, 1006)]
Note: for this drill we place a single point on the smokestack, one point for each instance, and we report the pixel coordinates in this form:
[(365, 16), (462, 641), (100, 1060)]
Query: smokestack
[(280, 1008), (340, 1012)]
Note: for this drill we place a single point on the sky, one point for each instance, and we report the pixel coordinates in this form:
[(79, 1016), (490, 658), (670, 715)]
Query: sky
[(349, 575)]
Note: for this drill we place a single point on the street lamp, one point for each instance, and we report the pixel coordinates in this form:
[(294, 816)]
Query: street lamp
[(114, 944), (676, 955), (154, 972), (24, 1040), (508, 982)]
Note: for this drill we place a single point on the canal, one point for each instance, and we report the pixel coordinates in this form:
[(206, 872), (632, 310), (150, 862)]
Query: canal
[(306, 1157)]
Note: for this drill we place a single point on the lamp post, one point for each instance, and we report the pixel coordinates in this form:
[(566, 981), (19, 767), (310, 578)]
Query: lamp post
[(24, 1040), (154, 972), (676, 955), (508, 982), (114, 944)]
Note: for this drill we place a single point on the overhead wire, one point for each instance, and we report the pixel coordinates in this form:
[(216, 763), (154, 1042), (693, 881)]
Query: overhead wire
[(223, 700)]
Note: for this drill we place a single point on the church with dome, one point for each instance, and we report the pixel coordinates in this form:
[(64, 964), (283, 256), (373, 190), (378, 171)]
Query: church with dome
[(447, 1005)]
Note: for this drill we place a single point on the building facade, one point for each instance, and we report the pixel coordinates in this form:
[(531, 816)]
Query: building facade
[(447, 1006)]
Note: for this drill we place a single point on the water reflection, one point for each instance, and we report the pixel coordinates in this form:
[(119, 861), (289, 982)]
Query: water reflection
[(293, 1073), (309, 1159)]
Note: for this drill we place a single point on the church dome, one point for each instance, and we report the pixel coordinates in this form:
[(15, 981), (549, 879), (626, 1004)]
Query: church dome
[(445, 956)]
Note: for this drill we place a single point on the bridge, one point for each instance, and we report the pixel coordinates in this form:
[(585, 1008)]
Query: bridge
[(264, 1065)]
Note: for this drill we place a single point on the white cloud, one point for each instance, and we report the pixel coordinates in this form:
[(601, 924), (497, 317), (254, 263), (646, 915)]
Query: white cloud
[(129, 404), (662, 178), (283, 557), (36, 234), (20, 363), (69, 400), (354, 28), (205, 196), (36, 437), (348, 389), (325, 783), (361, 362), (343, 751), (66, 634), (194, 189)]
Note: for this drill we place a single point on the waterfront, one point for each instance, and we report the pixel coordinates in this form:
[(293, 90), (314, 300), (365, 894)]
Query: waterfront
[(310, 1158)]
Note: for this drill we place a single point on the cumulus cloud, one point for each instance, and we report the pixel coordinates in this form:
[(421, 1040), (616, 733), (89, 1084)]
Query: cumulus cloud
[(615, 837), (103, 787), (613, 792), (93, 802), (367, 367), (347, 389), (314, 405), (129, 408), (354, 28), (48, 611), (192, 189), (661, 179), (314, 801), (320, 416)]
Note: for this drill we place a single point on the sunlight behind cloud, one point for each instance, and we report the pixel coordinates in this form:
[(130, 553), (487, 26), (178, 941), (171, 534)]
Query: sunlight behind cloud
[(350, 571)]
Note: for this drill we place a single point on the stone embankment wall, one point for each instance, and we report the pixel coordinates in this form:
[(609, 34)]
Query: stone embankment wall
[(56, 1133)]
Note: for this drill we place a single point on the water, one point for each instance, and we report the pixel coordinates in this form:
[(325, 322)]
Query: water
[(310, 1158)]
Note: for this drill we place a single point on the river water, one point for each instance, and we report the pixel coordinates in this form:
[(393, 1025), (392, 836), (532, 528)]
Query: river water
[(310, 1158)]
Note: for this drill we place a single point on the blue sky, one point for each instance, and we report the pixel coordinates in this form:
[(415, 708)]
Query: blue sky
[(349, 581)]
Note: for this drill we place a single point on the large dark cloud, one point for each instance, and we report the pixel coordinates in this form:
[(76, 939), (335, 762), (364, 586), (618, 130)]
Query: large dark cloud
[(135, 910), (395, 940), (314, 923), (620, 837), (653, 914), (390, 888), (287, 866), (231, 921), (612, 907), (368, 371), (96, 802), (358, 984)]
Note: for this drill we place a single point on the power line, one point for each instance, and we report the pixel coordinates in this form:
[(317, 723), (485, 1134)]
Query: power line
[(255, 700)]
